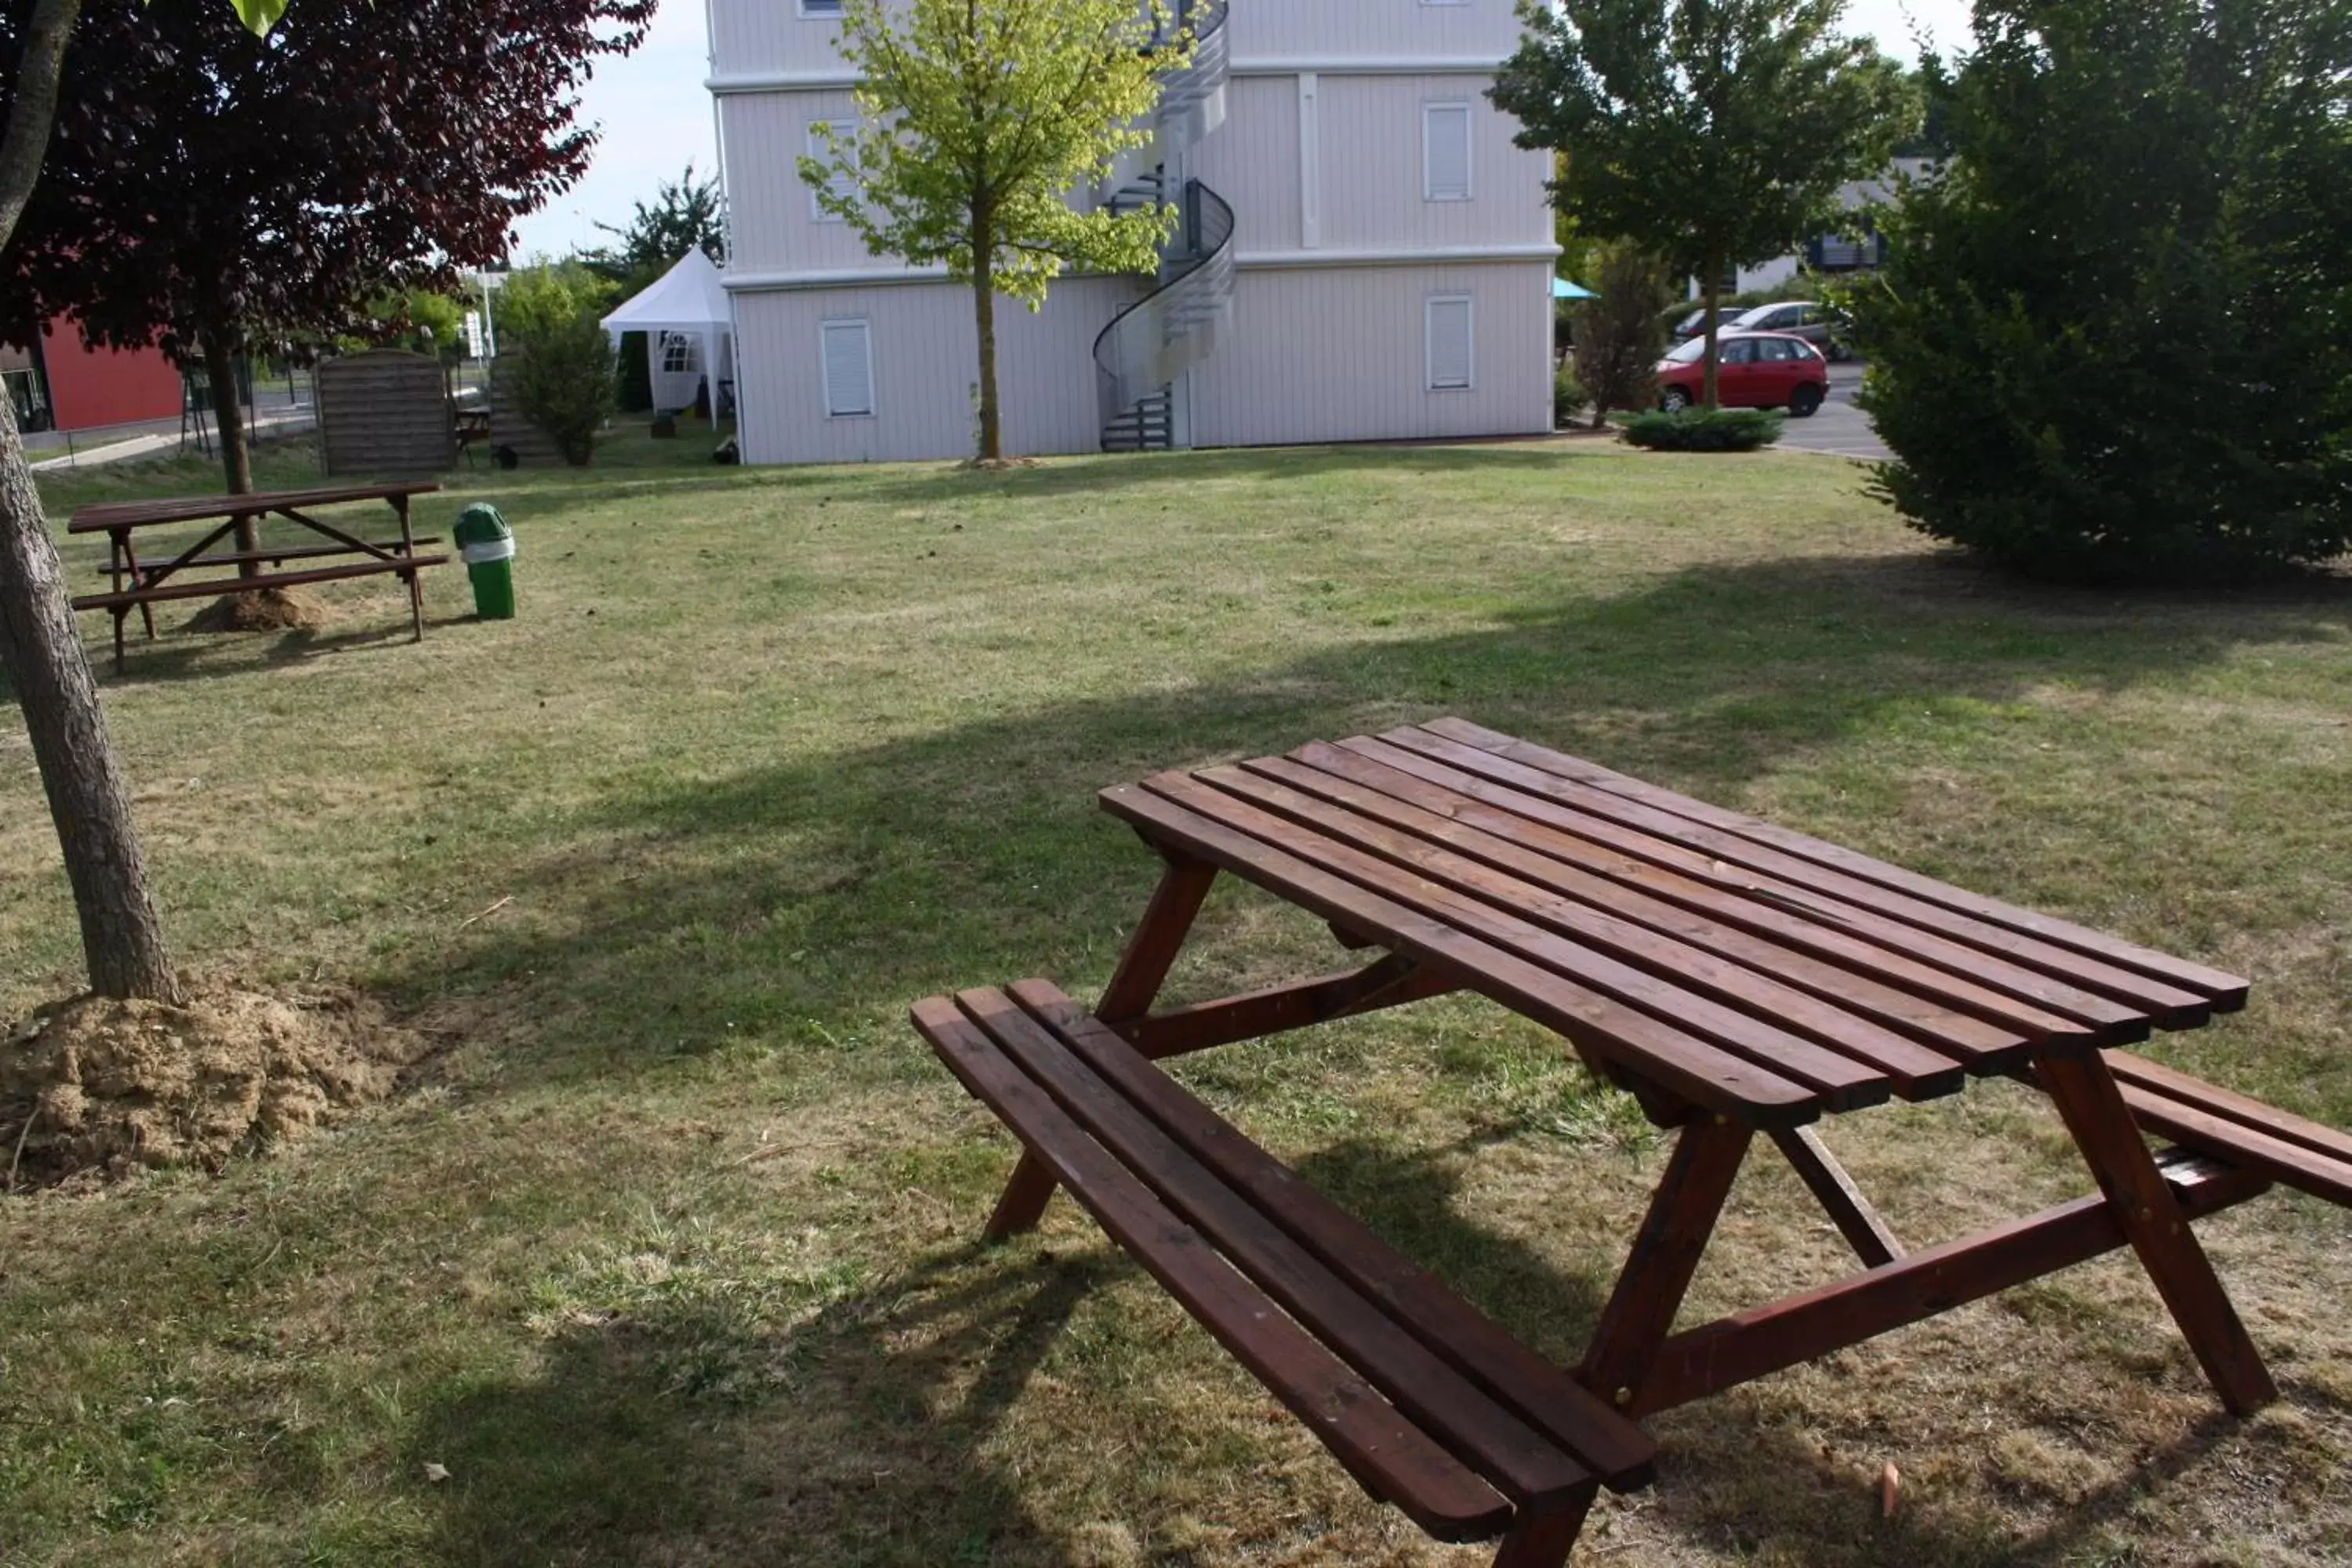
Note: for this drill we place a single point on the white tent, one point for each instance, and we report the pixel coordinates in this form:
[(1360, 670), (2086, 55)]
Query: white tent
[(689, 333)]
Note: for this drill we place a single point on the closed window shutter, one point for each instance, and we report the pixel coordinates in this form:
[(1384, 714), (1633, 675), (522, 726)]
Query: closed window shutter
[(1446, 152), (848, 370), (842, 184), (1449, 343)]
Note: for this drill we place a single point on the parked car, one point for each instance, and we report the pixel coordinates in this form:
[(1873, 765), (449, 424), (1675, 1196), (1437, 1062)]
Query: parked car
[(1693, 323), (1759, 370), (1806, 319)]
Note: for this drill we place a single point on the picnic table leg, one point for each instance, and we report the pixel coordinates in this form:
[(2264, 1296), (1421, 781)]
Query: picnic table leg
[(123, 557), (1544, 1539), (416, 587), (1142, 970), (2092, 1108), (1683, 1212)]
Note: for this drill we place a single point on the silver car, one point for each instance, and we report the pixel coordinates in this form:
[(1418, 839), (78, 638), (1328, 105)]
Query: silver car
[(1806, 319)]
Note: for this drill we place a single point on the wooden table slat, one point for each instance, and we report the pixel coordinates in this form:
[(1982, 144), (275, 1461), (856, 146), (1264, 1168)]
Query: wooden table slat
[(2111, 1022), (105, 516), (1916, 1071), (1843, 1082), (2226, 991), (1834, 943), (1701, 1074), (1981, 1028)]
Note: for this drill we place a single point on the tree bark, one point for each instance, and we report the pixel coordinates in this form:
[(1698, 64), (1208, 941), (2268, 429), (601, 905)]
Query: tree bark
[(228, 419), (40, 651), (1711, 289), (122, 934), (984, 312)]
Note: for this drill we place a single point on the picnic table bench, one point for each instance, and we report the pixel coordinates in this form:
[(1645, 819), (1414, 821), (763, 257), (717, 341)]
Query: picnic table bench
[(1737, 978), (139, 585)]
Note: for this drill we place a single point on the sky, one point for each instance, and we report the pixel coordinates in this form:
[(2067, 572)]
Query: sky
[(656, 117)]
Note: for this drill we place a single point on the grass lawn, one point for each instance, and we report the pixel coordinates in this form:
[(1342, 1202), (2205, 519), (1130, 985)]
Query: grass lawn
[(667, 1257)]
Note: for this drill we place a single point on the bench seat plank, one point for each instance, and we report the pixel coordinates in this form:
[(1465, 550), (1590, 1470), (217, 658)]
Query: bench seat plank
[(2302, 1154), (1532, 1472), (1542, 1394), (217, 587), (1386, 1453)]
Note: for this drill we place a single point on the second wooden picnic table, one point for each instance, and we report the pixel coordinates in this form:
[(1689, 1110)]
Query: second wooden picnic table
[(139, 584)]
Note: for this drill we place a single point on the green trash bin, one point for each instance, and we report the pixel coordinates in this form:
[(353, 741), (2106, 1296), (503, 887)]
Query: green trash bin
[(487, 542)]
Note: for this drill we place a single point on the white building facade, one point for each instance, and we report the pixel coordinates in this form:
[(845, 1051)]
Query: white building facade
[(1363, 256)]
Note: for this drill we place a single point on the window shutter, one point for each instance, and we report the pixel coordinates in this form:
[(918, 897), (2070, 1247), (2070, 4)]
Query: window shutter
[(1448, 327), (848, 370), (1446, 152), (842, 184)]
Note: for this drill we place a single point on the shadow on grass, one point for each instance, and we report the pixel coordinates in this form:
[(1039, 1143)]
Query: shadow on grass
[(860, 1444), (809, 901)]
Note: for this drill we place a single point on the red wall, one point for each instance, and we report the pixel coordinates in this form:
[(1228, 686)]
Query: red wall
[(89, 387)]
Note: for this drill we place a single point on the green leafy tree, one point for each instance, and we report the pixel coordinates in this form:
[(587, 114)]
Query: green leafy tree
[(2112, 336), (123, 949), (978, 121), (1713, 134), (685, 213)]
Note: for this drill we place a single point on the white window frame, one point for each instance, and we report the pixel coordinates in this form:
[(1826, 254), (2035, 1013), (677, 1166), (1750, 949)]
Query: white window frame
[(672, 345), (830, 10), (1445, 2), (1429, 191), (818, 150), (864, 325), (1429, 342)]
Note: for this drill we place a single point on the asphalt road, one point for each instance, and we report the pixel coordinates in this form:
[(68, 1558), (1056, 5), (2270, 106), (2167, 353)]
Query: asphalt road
[(1839, 429)]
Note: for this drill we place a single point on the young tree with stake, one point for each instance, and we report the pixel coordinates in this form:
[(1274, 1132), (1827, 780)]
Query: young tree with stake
[(977, 119)]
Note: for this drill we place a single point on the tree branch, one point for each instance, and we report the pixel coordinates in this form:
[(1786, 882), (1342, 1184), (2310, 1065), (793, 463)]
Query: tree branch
[(26, 144)]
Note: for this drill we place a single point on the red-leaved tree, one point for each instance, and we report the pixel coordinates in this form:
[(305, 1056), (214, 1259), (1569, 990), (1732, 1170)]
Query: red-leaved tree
[(215, 192)]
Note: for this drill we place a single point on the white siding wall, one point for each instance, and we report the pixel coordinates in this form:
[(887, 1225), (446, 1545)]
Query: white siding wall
[(1371, 131), (925, 363), (774, 225), (1252, 161), (1339, 355), (1323, 29), (752, 37)]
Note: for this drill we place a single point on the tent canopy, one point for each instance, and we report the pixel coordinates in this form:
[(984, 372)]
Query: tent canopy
[(1561, 289), (689, 298)]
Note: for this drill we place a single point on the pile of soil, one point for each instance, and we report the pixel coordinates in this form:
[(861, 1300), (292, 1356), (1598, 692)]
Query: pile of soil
[(263, 610), (96, 1086)]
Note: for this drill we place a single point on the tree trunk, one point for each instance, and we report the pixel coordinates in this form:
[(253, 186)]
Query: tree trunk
[(122, 934), (40, 651), (1711, 289), (984, 311), (228, 419)]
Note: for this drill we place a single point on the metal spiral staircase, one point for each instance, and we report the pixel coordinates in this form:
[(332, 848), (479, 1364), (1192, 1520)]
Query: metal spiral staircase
[(1146, 347)]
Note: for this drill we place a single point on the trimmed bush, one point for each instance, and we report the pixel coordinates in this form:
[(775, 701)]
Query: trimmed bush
[(1618, 338), (1702, 430), (2111, 339)]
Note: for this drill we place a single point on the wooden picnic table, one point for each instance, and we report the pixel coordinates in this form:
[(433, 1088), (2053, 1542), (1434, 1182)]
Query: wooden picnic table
[(139, 584), (1738, 979)]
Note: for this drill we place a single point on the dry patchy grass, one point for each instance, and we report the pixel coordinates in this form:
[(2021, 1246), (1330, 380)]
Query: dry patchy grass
[(669, 1259)]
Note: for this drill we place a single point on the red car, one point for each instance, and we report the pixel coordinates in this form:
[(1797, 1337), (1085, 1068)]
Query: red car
[(1757, 370)]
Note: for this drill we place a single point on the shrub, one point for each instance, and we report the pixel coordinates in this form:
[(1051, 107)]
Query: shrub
[(2109, 339), (1618, 335), (563, 381), (1703, 429), (1568, 395)]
